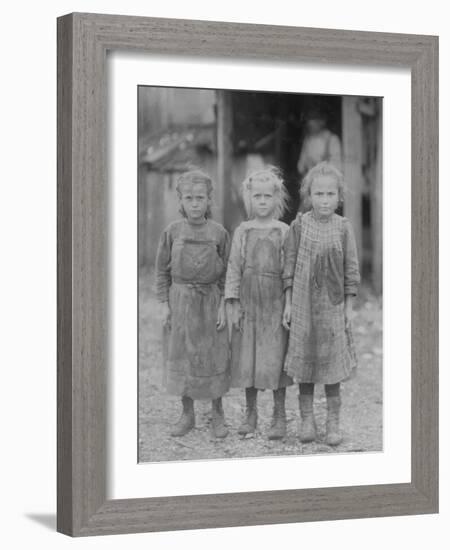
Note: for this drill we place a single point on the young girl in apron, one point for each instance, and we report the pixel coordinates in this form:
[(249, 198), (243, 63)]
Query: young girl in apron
[(255, 300), (190, 270)]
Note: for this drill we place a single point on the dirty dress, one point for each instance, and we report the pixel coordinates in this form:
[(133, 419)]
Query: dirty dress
[(321, 267), (254, 277), (190, 276)]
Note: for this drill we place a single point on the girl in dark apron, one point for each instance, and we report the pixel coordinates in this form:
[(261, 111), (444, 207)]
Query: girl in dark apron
[(191, 264)]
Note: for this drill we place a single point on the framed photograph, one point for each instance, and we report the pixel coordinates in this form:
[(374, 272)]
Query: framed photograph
[(247, 274)]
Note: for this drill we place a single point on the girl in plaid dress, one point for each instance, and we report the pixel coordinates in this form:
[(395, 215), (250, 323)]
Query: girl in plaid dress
[(321, 278), (255, 299)]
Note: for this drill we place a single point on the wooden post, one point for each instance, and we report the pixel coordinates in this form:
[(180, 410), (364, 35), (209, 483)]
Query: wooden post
[(142, 214), (280, 134), (151, 214), (352, 167), (224, 155), (377, 208)]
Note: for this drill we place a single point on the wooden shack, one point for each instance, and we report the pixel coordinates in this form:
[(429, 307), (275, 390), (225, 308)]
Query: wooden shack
[(229, 133)]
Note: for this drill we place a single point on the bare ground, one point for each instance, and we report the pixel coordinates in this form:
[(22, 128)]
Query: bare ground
[(361, 400)]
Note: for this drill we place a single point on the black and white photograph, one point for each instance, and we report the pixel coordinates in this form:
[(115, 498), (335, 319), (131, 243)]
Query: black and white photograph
[(260, 274)]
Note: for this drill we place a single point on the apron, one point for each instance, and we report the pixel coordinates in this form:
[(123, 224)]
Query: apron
[(196, 353)]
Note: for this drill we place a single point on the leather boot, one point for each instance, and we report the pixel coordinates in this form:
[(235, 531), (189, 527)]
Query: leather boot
[(334, 435), (307, 428), (251, 416), (187, 418), (218, 428), (278, 428)]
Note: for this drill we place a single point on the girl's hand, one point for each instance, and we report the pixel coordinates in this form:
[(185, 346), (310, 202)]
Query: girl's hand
[(287, 315), (348, 312), (166, 314), (221, 317), (233, 311)]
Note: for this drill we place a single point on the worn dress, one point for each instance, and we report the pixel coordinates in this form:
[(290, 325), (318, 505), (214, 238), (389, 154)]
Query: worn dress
[(321, 266), (254, 277), (190, 276)]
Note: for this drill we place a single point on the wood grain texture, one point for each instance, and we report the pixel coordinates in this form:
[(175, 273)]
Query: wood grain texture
[(425, 250), (83, 319), (64, 297)]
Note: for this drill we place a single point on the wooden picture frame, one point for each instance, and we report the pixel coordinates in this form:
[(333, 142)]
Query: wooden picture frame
[(83, 41)]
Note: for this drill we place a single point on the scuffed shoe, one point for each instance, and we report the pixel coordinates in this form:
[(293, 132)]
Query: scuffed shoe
[(184, 425), (278, 427), (308, 427), (218, 428), (187, 418), (334, 434), (249, 423)]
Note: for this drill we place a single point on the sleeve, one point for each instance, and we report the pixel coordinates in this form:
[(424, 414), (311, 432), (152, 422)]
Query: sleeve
[(234, 270), (351, 266), (334, 151), (163, 268), (224, 252), (291, 245)]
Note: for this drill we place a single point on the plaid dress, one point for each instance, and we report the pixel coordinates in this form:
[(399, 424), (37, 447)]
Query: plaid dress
[(321, 266)]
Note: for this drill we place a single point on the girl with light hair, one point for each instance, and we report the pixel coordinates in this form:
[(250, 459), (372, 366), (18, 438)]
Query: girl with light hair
[(255, 301), (321, 278)]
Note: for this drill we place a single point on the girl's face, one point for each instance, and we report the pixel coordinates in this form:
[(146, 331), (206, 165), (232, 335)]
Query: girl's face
[(195, 201), (324, 196), (262, 199)]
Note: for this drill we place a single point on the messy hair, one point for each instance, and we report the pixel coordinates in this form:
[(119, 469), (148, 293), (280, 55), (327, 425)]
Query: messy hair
[(192, 177), (268, 174), (322, 169)]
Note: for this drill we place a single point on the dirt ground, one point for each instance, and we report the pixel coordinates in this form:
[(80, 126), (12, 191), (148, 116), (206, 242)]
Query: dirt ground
[(362, 400)]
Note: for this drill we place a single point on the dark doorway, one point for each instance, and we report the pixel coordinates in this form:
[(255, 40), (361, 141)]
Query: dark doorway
[(273, 125)]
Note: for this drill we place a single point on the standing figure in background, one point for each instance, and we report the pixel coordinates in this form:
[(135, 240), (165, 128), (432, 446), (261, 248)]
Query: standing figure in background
[(321, 278), (255, 300), (319, 144), (190, 275)]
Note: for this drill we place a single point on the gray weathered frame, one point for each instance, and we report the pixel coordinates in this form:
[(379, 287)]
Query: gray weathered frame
[(83, 41)]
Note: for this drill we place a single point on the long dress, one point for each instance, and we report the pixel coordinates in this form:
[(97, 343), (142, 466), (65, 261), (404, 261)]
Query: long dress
[(254, 277), (321, 266), (190, 276)]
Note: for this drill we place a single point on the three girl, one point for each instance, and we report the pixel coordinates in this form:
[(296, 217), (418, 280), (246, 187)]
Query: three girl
[(298, 281)]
